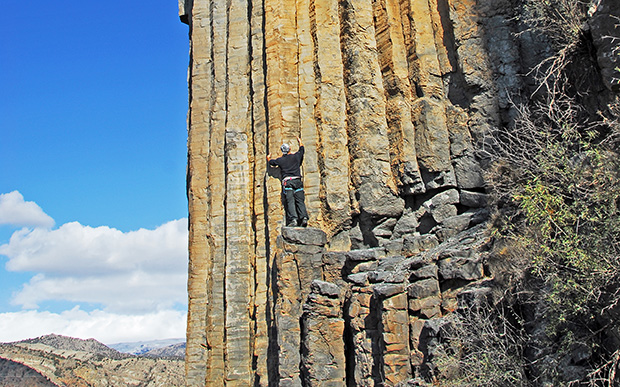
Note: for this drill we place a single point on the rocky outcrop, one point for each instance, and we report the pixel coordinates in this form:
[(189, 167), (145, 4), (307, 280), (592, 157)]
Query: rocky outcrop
[(323, 349), (392, 100), (14, 374), (361, 317), (604, 25)]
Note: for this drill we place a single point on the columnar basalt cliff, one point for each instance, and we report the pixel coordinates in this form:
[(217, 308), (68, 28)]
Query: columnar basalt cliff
[(391, 99)]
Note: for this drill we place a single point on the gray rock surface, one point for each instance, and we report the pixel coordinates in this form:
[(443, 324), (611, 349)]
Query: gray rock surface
[(604, 26)]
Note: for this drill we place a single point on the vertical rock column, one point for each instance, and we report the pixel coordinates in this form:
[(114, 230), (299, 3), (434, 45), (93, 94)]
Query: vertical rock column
[(468, 19), (363, 318), (364, 335), (307, 101), (216, 169), (259, 124), (281, 64), (392, 47), (330, 116), (378, 318), (394, 333), (206, 193), (239, 158), (371, 172), (323, 358), (200, 246), (429, 111), (298, 262), (222, 243)]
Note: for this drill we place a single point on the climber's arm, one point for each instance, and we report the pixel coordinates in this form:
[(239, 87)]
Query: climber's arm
[(271, 162)]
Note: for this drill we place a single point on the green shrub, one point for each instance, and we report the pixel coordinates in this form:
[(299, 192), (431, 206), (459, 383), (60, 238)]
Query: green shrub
[(555, 178), (559, 202)]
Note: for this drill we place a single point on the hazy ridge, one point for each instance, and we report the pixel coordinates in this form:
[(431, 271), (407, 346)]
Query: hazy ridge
[(67, 361)]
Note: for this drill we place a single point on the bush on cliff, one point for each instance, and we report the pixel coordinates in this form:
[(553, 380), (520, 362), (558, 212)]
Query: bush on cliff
[(555, 177)]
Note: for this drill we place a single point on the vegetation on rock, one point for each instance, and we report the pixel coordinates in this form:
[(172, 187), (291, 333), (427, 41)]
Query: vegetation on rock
[(555, 178)]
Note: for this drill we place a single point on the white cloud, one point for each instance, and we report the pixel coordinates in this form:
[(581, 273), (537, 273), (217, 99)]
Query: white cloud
[(105, 327), (74, 249), (134, 272), (137, 279), (17, 212), (133, 292)]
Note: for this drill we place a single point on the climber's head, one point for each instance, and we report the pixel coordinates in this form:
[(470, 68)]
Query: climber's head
[(285, 148)]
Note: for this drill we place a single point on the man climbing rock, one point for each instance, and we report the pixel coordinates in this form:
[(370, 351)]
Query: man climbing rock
[(292, 185)]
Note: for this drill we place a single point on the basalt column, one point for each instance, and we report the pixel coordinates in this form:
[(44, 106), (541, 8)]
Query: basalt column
[(221, 325)]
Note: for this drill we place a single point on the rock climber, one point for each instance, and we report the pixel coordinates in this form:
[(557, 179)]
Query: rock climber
[(292, 185)]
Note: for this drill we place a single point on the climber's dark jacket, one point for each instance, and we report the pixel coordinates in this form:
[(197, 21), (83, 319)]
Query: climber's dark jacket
[(289, 163)]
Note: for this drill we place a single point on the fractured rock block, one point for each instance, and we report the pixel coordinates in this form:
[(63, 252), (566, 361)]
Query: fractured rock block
[(388, 290), (428, 271), (365, 255), (362, 323), (396, 276), (415, 244), (461, 268), (451, 226), (428, 307), (443, 212), (363, 260), (304, 236), (395, 338), (378, 201), (333, 264), (473, 199), (393, 246), (323, 356), (407, 224), (440, 206), (324, 288), (360, 279), (364, 267), (424, 288), (468, 172), (384, 229)]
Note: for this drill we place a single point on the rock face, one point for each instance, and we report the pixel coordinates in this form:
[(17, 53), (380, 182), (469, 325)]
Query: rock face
[(605, 28), (391, 99)]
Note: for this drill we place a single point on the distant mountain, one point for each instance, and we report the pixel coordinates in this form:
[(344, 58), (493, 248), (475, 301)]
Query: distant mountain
[(72, 344), (67, 361), (176, 351), (145, 347)]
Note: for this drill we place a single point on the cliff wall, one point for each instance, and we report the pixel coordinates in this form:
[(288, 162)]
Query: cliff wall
[(391, 99)]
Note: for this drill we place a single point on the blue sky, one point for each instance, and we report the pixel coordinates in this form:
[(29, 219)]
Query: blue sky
[(93, 103)]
